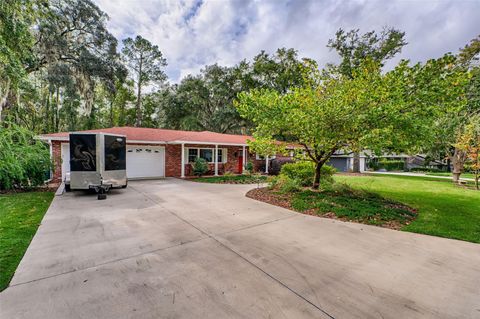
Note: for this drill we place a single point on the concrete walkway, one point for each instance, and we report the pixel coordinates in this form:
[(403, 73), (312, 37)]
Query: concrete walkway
[(179, 249)]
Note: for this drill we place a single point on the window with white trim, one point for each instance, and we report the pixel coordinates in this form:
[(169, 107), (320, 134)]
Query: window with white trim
[(192, 154), (207, 154)]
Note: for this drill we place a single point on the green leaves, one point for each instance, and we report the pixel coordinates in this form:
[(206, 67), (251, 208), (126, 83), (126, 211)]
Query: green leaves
[(388, 112), (144, 59), (146, 63), (354, 48), (24, 161)]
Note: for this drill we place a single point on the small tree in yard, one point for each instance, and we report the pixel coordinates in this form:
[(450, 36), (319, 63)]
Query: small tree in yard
[(391, 112), (354, 47), (200, 167), (324, 116), (469, 143)]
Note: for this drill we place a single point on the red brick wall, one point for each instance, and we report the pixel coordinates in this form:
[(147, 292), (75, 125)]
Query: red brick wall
[(57, 161), (173, 160), (233, 152)]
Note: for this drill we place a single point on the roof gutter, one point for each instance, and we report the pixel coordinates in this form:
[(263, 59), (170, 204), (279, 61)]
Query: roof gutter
[(66, 139), (207, 143)]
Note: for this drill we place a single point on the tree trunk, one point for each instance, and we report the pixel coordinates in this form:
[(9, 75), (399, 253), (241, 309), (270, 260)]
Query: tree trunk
[(316, 180), (139, 93), (356, 162), (3, 98), (57, 108), (458, 161), (47, 113), (139, 107), (111, 113)]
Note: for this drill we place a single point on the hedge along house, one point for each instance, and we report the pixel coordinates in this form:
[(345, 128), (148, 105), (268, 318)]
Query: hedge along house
[(157, 153)]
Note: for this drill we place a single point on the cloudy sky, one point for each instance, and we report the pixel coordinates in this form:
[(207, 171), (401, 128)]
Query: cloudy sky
[(194, 33)]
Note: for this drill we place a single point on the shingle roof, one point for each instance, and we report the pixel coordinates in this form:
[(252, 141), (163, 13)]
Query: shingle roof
[(162, 135)]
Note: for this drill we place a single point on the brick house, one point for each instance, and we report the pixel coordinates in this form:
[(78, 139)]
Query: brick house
[(156, 153)]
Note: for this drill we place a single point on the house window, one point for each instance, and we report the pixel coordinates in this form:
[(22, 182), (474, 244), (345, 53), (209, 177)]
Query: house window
[(192, 154), (206, 154)]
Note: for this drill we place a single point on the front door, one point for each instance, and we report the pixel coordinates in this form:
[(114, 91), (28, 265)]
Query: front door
[(240, 165)]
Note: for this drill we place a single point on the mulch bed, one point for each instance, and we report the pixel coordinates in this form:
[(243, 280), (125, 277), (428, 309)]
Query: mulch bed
[(284, 200), (267, 196), (227, 180)]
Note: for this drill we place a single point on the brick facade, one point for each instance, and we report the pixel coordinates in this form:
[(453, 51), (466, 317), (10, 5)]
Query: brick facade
[(173, 159), (233, 154), (57, 161)]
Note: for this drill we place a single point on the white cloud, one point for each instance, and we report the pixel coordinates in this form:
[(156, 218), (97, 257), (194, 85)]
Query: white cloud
[(192, 33)]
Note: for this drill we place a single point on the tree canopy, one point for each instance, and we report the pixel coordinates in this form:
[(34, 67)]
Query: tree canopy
[(146, 63), (61, 70), (391, 111)]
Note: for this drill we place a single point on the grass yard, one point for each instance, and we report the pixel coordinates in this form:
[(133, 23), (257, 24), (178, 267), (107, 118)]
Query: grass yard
[(20, 216), (232, 179), (444, 209), (464, 175)]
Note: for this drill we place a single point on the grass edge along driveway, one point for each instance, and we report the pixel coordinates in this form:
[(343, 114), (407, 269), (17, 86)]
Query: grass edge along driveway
[(20, 216), (444, 210)]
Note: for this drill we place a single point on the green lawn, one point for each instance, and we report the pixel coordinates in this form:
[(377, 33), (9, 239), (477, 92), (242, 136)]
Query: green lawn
[(464, 175), (232, 179), (20, 216), (444, 209)]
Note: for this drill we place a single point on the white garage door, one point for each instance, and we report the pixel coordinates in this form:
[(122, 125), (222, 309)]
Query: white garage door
[(145, 161)]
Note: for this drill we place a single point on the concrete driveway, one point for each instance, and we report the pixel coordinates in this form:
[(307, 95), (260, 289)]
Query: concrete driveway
[(179, 249)]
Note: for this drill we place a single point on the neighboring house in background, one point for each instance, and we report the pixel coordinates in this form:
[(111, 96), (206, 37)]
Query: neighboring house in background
[(156, 153), (343, 161), (420, 160), (410, 161)]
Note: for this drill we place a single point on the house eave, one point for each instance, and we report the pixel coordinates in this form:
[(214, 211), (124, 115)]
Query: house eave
[(207, 143)]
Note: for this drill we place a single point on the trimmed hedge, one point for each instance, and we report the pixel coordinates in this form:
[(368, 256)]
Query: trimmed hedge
[(389, 165), (426, 169)]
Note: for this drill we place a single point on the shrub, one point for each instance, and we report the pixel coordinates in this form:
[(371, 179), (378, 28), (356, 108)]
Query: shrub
[(24, 160), (426, 169), (304, 172), (200, 167), (374, 165), (249, 167), (228, 174), (391, 165), (276, 165), (285, 184)]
